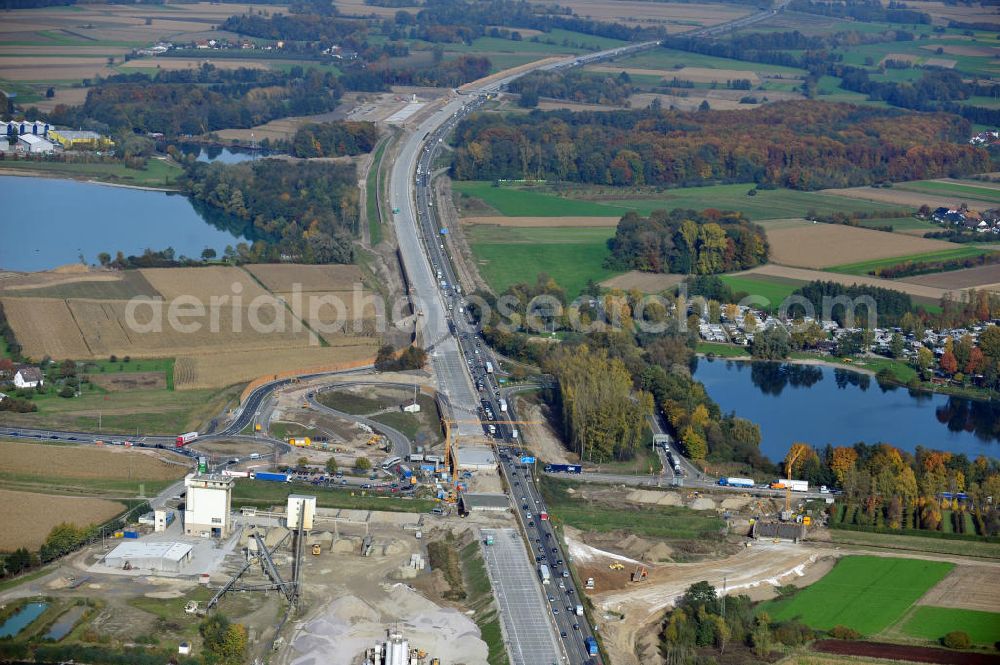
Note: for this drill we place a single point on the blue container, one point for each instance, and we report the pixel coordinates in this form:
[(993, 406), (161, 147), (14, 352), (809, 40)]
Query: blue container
[(130, 534)]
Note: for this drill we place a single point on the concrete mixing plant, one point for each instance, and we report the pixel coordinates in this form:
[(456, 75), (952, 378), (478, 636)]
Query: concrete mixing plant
[(396, 651)]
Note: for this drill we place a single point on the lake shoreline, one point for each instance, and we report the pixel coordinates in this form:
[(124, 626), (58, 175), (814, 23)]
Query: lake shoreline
[(84, 178)]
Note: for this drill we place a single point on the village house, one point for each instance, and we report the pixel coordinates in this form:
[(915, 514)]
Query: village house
[(28, 377)]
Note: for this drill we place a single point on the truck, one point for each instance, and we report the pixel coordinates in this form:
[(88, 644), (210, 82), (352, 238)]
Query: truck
[(543, 516), (300, 442), (405, 471), (489, 367), (272, 477), (736, 482), (503, 405), (489, 539), (563, 468), (591, 645), (579, 610), (185, 439), (794, 485), (543, 573)]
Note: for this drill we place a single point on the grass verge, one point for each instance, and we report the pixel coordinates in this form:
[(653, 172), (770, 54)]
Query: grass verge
[(722, 350), (916, 544), (372, 196)]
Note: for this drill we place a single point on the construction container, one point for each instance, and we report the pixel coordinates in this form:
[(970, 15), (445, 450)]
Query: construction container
[(130, 534)]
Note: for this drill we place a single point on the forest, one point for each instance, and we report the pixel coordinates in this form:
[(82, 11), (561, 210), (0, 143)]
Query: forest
[(297, 27), (573, 86), (872, 11), (334, 139), (801, 145), (602, 420), (686, 241), (302, 211), (180, 103), (379, 76)]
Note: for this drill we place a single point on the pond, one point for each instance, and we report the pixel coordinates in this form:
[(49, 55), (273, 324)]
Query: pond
[(48, 223), (205, 153), (21, 619), (819, 405), (62, 627)]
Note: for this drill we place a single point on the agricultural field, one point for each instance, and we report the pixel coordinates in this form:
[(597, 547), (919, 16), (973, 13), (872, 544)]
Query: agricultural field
[(252, 332), (981, 277), (28, 518), (571, 256), (865, 593), (675, 17), (644, 282), (971, 192), (773, 289), (825, 245), (944, 254), (932, 623), (609, 202), (927, 295), (73, 469), (64, 45)]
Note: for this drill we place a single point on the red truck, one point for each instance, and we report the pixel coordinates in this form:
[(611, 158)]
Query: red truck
[(185, 439)]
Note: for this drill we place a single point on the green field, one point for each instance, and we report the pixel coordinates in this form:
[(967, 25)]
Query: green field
[(774, 289), (722, 350), (668, 59), (865, 267), (158, 172), (900, 224), (866, 593), (541, 201), (670, 522), (956, 189), (372, 197), (933, 623), (263, 494), (571, 256)]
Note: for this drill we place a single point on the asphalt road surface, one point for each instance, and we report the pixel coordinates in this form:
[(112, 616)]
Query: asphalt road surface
[(516, 589)]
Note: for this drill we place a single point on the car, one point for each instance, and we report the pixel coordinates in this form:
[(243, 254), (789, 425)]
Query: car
[(560, 562), (576, 626), (565, 573), (562, 633), (552, 599), (524, 506), (366, 486), (570, 609), (343, 481), (541, 549), (538, 540), (569, 591), (555, 610), (531, 524), (555, 550)]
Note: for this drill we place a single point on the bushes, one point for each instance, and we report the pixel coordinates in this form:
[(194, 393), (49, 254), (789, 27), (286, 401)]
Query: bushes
[(844, 633), (957, 639), (412, 357)]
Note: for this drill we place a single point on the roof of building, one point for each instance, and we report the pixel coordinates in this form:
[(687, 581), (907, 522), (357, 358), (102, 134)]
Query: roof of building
[(171, 551), (485, 501), (475, 456), (30, 373), (72, 134), (32, 139)]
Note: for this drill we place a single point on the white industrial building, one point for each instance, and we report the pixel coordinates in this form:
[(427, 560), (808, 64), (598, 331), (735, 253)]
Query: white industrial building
[(297, 502), (164, 557), (34, 144), (208, 505), (474, 458)]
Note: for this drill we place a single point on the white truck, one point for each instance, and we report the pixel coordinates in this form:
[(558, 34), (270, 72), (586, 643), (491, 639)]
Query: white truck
[(794, 485), (489, 367), (543, 573), (503, 405), (579, 610)]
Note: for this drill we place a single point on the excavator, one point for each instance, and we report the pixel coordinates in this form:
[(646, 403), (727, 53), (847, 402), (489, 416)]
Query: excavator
[(639, 574)]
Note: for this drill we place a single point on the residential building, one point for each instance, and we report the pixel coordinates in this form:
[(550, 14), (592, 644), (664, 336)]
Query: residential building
[(28, 377)]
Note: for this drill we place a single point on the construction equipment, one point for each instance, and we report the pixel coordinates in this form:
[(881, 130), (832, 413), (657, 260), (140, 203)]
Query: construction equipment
[(639, 574), (616, 566), (796, 452), (317, 549)]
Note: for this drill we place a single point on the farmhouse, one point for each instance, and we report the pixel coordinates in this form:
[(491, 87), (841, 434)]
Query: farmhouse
[(28, 377)]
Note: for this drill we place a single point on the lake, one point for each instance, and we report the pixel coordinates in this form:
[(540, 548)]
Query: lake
[(48, 223), (819, 405)]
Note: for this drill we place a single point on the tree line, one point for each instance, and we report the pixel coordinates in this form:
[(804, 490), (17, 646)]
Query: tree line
[(573, 86), (334, 139), (870, 11), (686, 241), (801, 145), (189, 107), (380, 75), (304, 211), (889, 489), (298, 27)]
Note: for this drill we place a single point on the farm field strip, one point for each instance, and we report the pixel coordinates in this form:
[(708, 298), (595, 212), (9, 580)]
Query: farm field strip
[(865, 593), (978, 277), (864, 267), (960, 190), (28, 517), (931, 623), (928, 294)]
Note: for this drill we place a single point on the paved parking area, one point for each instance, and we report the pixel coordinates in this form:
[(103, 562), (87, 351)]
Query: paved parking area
[(530, 637)]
